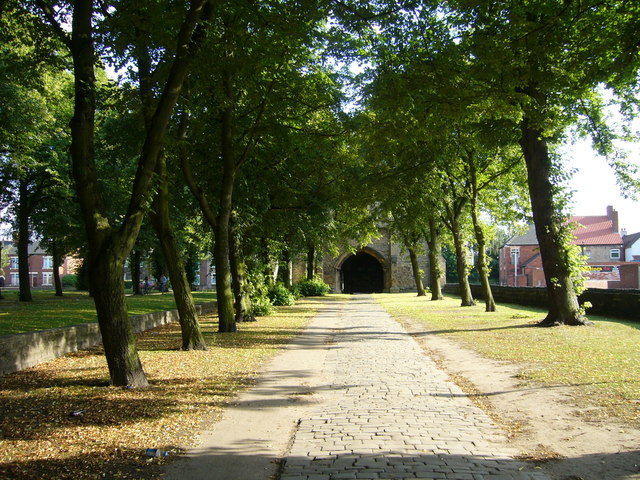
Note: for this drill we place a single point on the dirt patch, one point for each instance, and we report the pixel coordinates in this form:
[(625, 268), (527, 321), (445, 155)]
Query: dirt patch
[(544, 422)]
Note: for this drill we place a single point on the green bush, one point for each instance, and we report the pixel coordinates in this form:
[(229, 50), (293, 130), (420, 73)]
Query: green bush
[(313, 288), (69, 280), (261, 307), (280, 295)]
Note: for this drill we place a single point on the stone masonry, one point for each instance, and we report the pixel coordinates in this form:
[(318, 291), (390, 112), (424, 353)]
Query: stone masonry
[(388, 412), (398, 275)]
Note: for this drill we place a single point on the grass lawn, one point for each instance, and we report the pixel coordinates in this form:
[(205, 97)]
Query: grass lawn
[(601, 362), (39, 438), (49, 311)]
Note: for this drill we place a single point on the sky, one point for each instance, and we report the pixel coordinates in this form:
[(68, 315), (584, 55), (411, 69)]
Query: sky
[(595, 186)]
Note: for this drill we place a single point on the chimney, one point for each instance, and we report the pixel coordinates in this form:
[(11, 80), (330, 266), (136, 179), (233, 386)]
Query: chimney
[(623, 232), (613, 216)]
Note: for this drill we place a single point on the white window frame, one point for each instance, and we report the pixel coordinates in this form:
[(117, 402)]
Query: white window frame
[(47, 262), (14, 279), (615, 256), (14, 263), (47, 279)]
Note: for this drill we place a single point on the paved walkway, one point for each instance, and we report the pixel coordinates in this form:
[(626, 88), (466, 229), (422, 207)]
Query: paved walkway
[(378, 409)]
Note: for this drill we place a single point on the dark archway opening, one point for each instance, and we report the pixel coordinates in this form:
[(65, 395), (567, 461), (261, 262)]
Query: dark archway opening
[(362, 273)]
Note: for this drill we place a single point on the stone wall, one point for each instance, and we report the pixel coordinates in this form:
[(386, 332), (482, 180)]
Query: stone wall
[(621, 303), (398, 275), (25, 350)]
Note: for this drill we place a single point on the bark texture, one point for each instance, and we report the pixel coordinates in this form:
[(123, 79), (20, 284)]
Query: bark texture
[(564, 308), (415, 267), (107, 285), (435, 253), (461, 264), (481, 243), (226, 311), (192, 338), (242, 302)]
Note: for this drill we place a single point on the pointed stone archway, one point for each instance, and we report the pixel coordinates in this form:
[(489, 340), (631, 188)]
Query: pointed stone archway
[(366, 271)]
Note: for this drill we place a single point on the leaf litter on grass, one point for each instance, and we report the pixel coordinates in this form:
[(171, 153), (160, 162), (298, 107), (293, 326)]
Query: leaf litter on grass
[(61, 420)]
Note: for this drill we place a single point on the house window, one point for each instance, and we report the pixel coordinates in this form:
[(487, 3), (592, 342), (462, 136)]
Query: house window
[(47, 263), (47, 279), (614, 254), (14, 279), (13, 263)]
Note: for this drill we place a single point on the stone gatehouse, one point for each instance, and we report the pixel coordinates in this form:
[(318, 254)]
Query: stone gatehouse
[(381, 266)]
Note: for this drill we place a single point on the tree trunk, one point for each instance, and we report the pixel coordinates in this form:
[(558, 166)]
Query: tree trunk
[(107, 282), (57, 261), (106, 266), (226, 312), (415, 267), (564, 308), (192, 338), (109, 246), (461, 264), (483, 268), (23, 244), (435, 253), (311, 262), (134, 267), (242, 301), (286, 273)]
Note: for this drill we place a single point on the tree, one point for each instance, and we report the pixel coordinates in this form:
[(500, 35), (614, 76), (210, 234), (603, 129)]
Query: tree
[(547, 58), (110, 244), (33, 142)]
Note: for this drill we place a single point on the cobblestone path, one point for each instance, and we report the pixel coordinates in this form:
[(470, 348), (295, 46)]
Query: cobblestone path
[(390, 413)]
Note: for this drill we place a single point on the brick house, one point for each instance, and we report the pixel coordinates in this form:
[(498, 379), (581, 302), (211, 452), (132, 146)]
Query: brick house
[(632, 247), (40, 266), (598, 238)]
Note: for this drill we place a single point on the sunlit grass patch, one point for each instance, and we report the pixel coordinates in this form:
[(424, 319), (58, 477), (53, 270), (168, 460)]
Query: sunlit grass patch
[(41, 438), (48, 311), (601, 362)]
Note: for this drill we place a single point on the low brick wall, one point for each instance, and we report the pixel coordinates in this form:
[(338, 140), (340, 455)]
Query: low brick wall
[(25, 350), (621, 303)]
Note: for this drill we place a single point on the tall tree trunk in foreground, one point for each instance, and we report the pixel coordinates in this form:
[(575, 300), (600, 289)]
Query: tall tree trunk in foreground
[(109, 246), (461, 264), (564, 308), (435, 253), (415, 267), (192, 338), (107, 285)]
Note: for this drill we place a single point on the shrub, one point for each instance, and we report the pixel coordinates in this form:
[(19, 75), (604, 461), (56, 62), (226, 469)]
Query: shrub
[(69, 280), (261, 307), (280, 295), (313, 288), (260, 304)]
